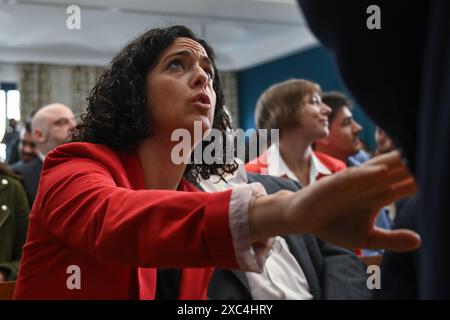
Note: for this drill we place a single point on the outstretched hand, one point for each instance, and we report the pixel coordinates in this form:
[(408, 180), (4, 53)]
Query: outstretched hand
[(342, 208)]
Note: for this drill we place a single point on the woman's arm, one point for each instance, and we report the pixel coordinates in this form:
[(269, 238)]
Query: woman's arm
[(341, 208)]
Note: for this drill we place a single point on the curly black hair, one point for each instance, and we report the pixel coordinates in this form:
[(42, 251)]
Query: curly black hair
[(117, 115)]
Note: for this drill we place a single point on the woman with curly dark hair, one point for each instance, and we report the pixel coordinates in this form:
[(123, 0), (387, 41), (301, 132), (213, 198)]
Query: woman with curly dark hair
[(113, 206)]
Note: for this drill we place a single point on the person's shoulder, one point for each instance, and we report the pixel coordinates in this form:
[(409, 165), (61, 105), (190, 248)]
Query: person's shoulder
[(333, 164), (277, 183), (258, 164), (77, 154), (12, 195), (253, 167), (74, 150), (9, 182), (81, 149), (18, 166), (24, 169), (190, 186)]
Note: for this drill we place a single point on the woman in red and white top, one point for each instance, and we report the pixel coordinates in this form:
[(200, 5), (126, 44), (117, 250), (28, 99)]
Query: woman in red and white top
[(113, 206), (294, 107)]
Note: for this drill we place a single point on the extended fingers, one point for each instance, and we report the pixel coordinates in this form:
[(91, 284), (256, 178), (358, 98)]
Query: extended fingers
[(396, 175), (393, 240), (390, 160), (403, 189), (385, 194), (392, 184)]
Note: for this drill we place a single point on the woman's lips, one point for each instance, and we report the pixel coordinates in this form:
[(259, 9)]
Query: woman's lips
[(201, 106), (201, 101)]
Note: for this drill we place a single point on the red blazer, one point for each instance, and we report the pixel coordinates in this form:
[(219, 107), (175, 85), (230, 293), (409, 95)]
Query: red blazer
[(93, 211), (259, 164)]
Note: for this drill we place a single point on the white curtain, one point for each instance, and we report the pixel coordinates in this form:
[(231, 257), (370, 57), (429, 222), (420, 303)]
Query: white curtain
[(83, 80), (41, 84), (35, 88), (230, 92)]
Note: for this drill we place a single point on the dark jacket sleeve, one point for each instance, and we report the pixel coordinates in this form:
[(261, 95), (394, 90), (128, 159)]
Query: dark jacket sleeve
[(225, 285), (400, 270)]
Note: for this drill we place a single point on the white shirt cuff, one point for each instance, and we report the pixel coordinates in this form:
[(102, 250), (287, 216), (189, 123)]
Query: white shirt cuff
[(249, 256)]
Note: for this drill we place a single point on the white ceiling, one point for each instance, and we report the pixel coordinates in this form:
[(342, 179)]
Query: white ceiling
[(243, 33)]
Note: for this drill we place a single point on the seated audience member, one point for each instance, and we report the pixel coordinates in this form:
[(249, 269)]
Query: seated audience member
[(14, 211), (50, 128), (360, 157), (296, 109), (11, 140), (343, 140), (384, 143), (27, 146), (300, 267), (343, 143), (115, 205), (51, 125), (26, 167)]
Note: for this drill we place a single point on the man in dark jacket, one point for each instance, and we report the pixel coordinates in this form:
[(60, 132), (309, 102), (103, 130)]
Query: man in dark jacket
[(323, 271), (330, 272)]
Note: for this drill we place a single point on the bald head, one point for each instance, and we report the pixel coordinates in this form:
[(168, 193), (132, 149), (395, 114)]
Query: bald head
[(50, 126)]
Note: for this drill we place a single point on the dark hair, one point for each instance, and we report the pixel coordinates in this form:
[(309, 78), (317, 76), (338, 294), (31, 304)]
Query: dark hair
[(336, 101), (28, 126), (117, 115)]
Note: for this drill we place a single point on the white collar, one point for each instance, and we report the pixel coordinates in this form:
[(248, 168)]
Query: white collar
[(277, 167), (41, 156), (317, 167)]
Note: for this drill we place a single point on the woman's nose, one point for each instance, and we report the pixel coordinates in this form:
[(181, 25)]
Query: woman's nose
[(325, 109), (200, 78)]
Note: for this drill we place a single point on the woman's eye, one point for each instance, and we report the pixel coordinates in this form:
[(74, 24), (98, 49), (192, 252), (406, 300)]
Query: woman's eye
[(315, 99), (176, 64)]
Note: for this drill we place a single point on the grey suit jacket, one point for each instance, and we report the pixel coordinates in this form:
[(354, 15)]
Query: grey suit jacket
[(331, 272), (30, 173)]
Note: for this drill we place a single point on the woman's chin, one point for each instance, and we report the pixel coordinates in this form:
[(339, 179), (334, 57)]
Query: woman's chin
[(200, 126), (323, 133), (206, 124)]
